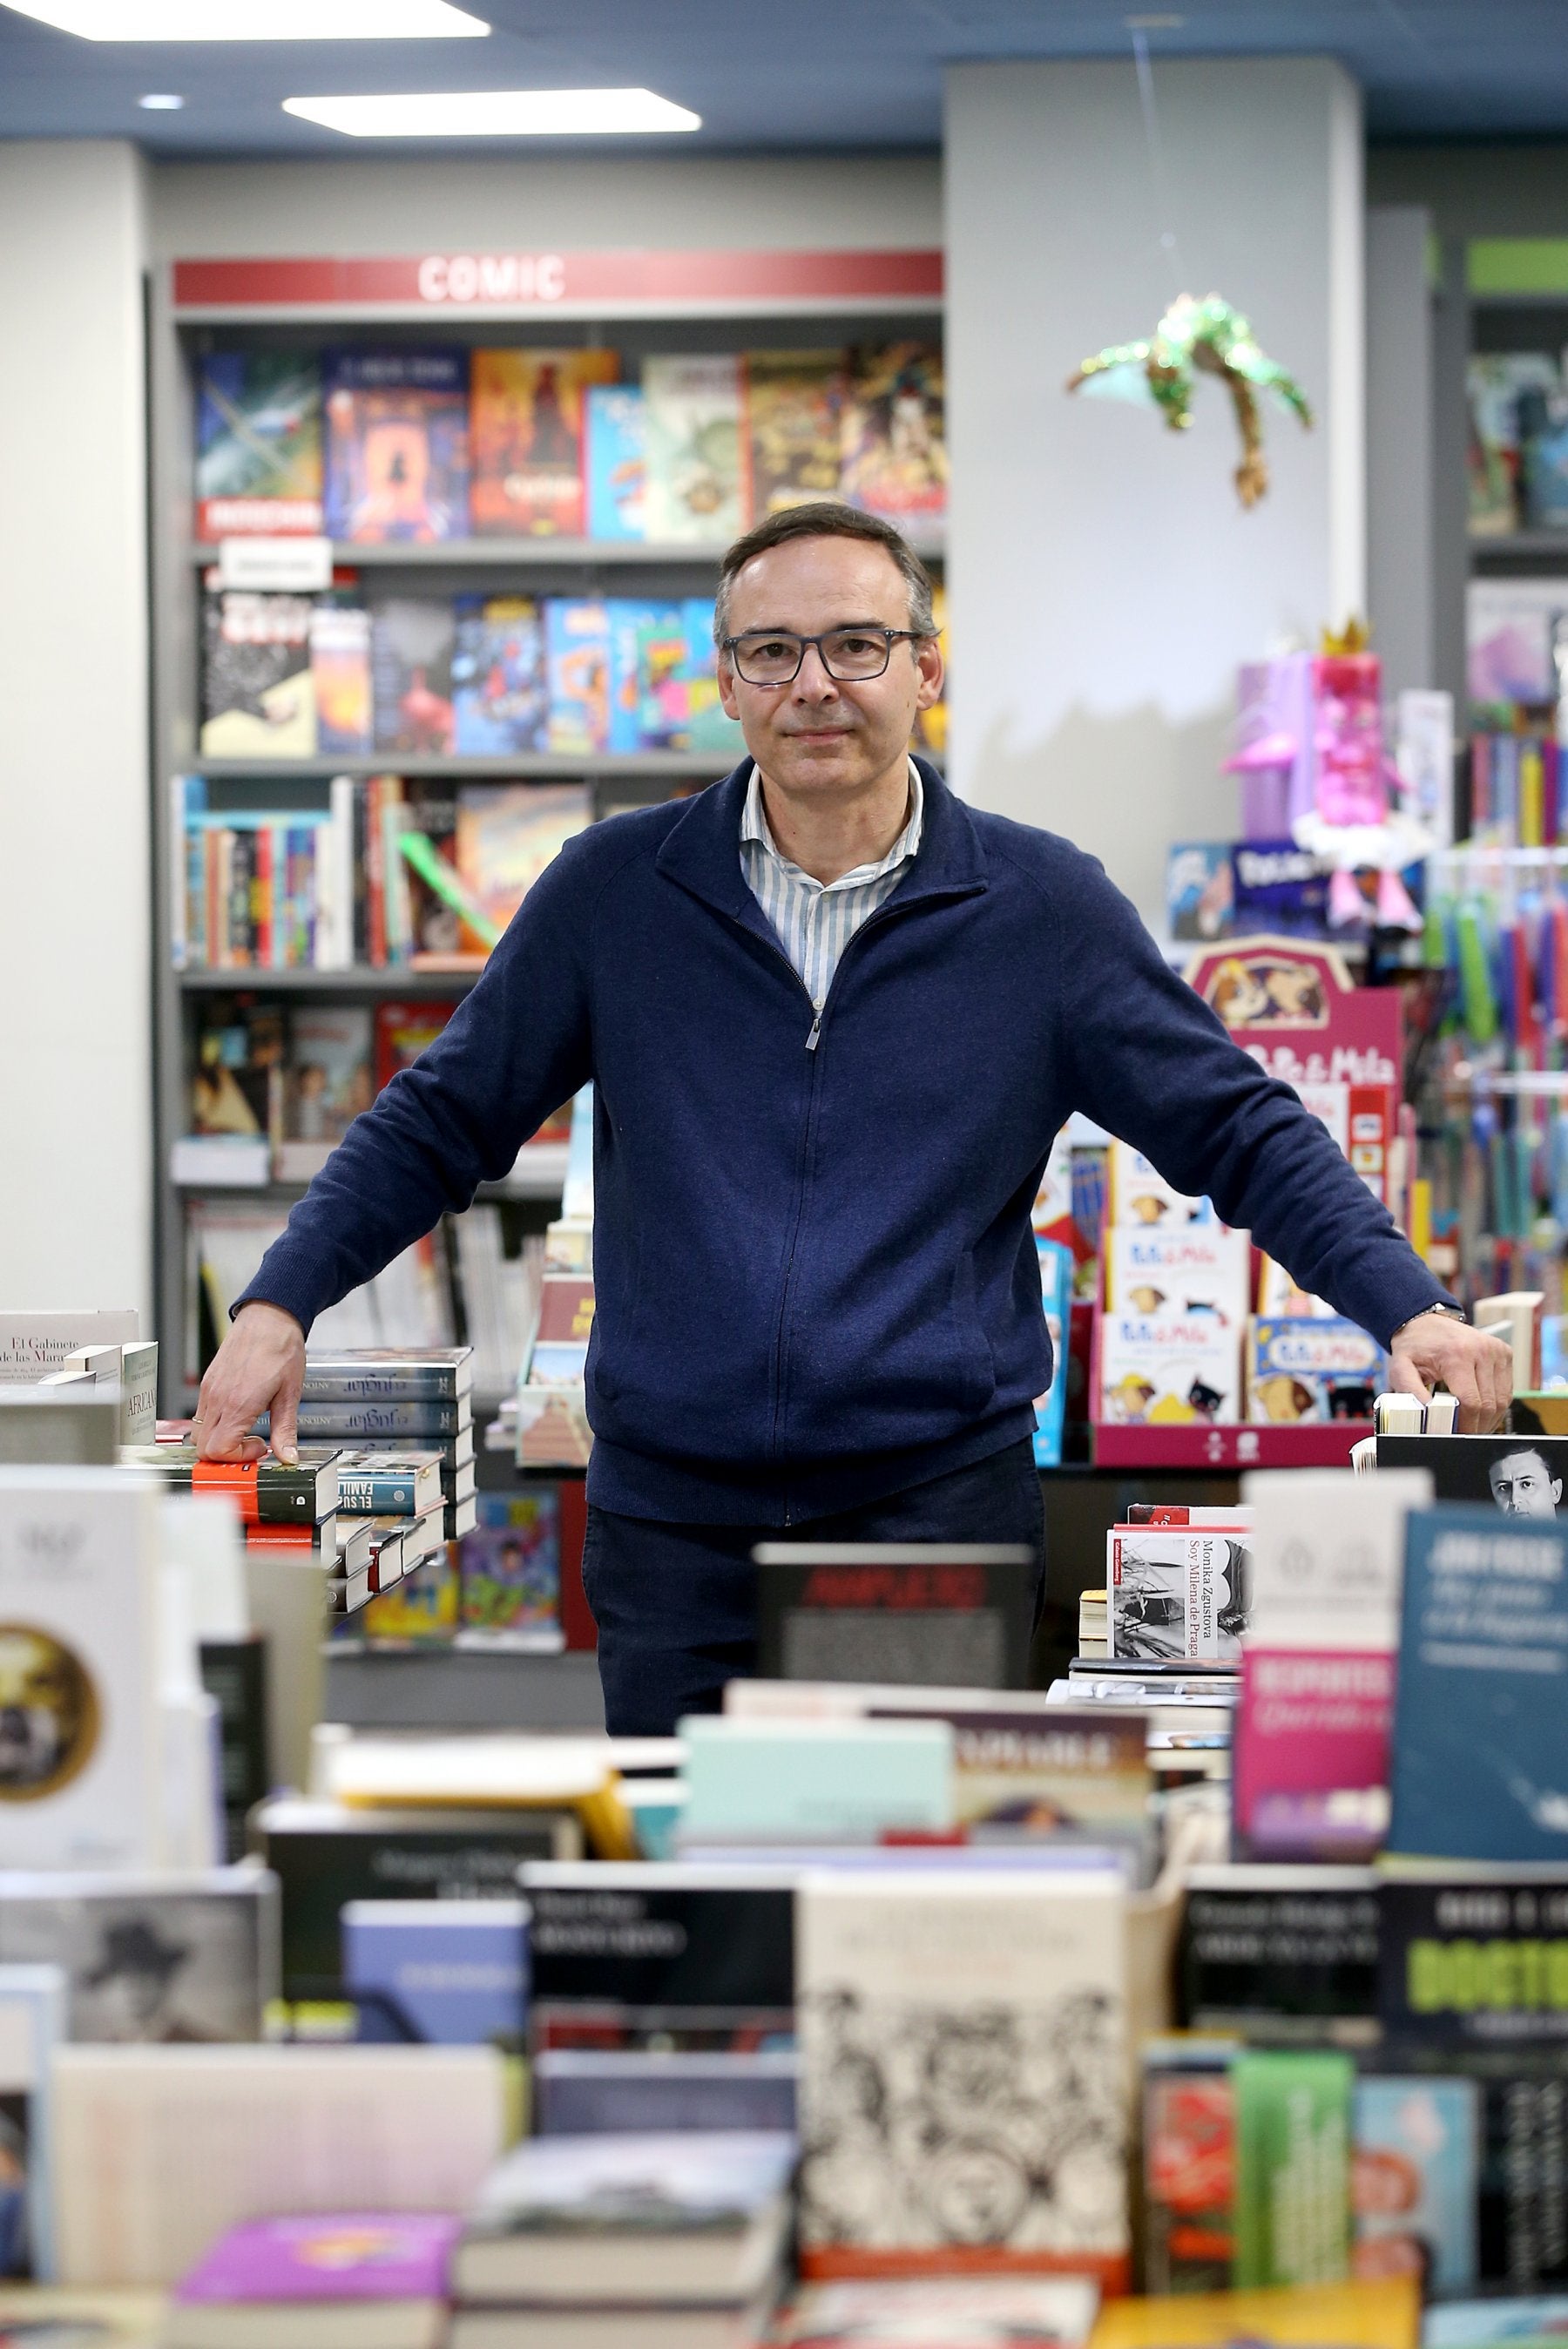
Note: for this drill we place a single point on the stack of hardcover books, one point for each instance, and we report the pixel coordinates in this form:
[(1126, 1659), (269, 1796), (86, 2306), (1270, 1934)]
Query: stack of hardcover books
[(404, 1417)]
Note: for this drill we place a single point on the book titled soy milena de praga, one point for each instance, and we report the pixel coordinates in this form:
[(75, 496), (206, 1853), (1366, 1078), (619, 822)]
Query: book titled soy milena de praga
[(963, 2085), (1480, 1730), (1178, 1592)]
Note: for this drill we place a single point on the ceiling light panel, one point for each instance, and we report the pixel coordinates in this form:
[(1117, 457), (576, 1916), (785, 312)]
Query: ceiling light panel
[(496, 114), (256, 20)]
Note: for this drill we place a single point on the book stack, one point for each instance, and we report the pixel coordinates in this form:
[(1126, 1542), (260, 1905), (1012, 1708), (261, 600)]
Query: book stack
[(1176, 1296), (328, 2283), (405, 1418), (285, 1506), (551, 1424), (668, 2238)]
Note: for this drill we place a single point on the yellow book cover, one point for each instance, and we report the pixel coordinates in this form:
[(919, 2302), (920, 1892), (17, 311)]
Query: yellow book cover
[(527, 477), (1385, 2314)]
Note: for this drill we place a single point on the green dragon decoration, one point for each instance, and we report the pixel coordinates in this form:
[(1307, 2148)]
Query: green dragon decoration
[(1197, 337)]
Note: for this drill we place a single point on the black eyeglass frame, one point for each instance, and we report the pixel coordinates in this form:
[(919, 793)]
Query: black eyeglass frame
[(770, 685)]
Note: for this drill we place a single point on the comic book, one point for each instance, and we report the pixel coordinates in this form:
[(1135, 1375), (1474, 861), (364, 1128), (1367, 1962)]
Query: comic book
[(498, 676), (617, 459), (698, 489), (507, 833), (577, 656), (526, 423), (796, 403), (413, 639), (258, 696), (340, 673), (510, 1568), (396, 445), (894, 453), (258, 444)]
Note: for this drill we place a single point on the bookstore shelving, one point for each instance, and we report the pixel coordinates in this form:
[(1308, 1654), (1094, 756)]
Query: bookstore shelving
[(638, 305)]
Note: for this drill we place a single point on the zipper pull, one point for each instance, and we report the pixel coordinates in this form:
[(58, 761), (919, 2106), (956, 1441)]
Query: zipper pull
[(816, 1031)]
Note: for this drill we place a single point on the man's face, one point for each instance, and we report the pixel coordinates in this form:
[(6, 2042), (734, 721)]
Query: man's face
[(1521, 1487), (817, 735)]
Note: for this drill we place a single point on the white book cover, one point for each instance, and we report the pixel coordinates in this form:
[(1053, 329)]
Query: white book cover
[(1170, 1370), (1141, 1197), (33, 1344), (964, 2071), (1176, 1594), (1197, 1272), (159, 2151), (1328, 1552), (81, 1733), (698, 447)]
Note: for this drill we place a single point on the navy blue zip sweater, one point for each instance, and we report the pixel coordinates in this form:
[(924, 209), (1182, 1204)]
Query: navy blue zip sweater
[(816, 1279)]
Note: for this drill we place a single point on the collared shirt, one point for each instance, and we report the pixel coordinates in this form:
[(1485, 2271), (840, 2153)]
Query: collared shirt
[(815, 920)]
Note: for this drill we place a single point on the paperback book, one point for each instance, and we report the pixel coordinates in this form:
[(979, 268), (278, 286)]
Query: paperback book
[(796, 404), (697, 448), (450, 1973), (894, 445), (149, 1958), (32, 2024), (331, 2281), (413, 640), (617, 460), (258, 692), (528, 434), (258, 445), (578, 659), (511, 1569), (1178, 1594), (1281, 1955), (340, 676), (498, 676), (396, 444)]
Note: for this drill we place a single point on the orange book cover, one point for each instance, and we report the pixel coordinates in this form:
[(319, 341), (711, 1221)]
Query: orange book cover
[(526, 426)]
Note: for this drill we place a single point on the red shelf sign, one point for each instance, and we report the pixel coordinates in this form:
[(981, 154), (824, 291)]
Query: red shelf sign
[(468, 281), (1302, 1445)]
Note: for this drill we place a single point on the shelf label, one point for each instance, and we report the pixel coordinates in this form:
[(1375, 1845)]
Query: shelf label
[(300, 565), (647, 277)]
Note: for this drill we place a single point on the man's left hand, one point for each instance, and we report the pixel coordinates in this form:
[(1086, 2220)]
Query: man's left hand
[(1476, 1368)]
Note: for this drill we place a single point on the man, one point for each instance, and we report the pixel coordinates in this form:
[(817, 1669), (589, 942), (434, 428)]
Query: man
[(834, 1017), (1522, 1486)]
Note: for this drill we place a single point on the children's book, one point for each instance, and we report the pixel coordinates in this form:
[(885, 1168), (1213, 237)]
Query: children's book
[(615, 418), (421, 1609), (258, 695), (1164, 1369), (402, 1032), (527, 458), (258, 444), (1196, 1273), (893, 444), (1055, 1263), (498, 676), (577, 653), (1198, 889), (1310, 1368), (511, 1569), (698, 489), (396, 444), (507, 833), (1480, 1730), (340, 674), (796, 408), (413, 639), (1140, 1195)]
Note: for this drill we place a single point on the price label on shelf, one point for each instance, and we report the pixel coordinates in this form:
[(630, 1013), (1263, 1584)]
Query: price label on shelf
[(301, 566)]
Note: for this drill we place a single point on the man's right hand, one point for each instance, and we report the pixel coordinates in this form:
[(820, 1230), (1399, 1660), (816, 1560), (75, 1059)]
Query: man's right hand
[(260, 1366)]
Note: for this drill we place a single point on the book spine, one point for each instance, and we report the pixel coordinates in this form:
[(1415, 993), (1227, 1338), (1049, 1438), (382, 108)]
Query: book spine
[(359, 881), (375, 893), (341, 1420), (360, 1495), (264, 894), (409, 1383), (340, 896)]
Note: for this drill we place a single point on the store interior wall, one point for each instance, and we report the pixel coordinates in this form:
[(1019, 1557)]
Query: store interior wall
[(1399, 449), (1105, 581), (75, 937)]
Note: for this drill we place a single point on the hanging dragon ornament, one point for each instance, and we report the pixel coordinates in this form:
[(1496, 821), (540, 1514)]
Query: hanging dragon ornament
[(1194, 338)]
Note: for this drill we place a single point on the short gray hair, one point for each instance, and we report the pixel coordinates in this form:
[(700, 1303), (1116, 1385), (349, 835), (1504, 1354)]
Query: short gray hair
[(826, 518)]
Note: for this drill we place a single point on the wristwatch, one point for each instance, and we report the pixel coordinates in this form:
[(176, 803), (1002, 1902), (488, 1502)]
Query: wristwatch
[(1450, 1312)]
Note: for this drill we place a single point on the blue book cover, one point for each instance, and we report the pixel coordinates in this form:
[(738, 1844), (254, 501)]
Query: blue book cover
[(396, 445), (1480, 1726), (499, 696), (1414, 2179), (1198, 885), (32, 2024), (616, 463), (450, 1973), (577, 656), (710, 729), (1056, 1296), (647, 675)]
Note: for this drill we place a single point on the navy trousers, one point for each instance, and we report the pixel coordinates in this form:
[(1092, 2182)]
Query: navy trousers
[(676, 1604)]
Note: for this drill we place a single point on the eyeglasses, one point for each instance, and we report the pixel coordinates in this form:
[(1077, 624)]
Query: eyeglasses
[(850, 655)]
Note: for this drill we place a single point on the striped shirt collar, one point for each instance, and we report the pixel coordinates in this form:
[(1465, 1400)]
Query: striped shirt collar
[(754, 826)]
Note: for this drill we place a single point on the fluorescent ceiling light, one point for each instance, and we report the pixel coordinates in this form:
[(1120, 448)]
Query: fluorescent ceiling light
[(256, 20), (161, 101), (495, 113)]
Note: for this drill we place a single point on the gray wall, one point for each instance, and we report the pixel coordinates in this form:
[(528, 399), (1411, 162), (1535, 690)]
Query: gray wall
[(1399, 445), (75, 975), (1105, 581), (370, 205)]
